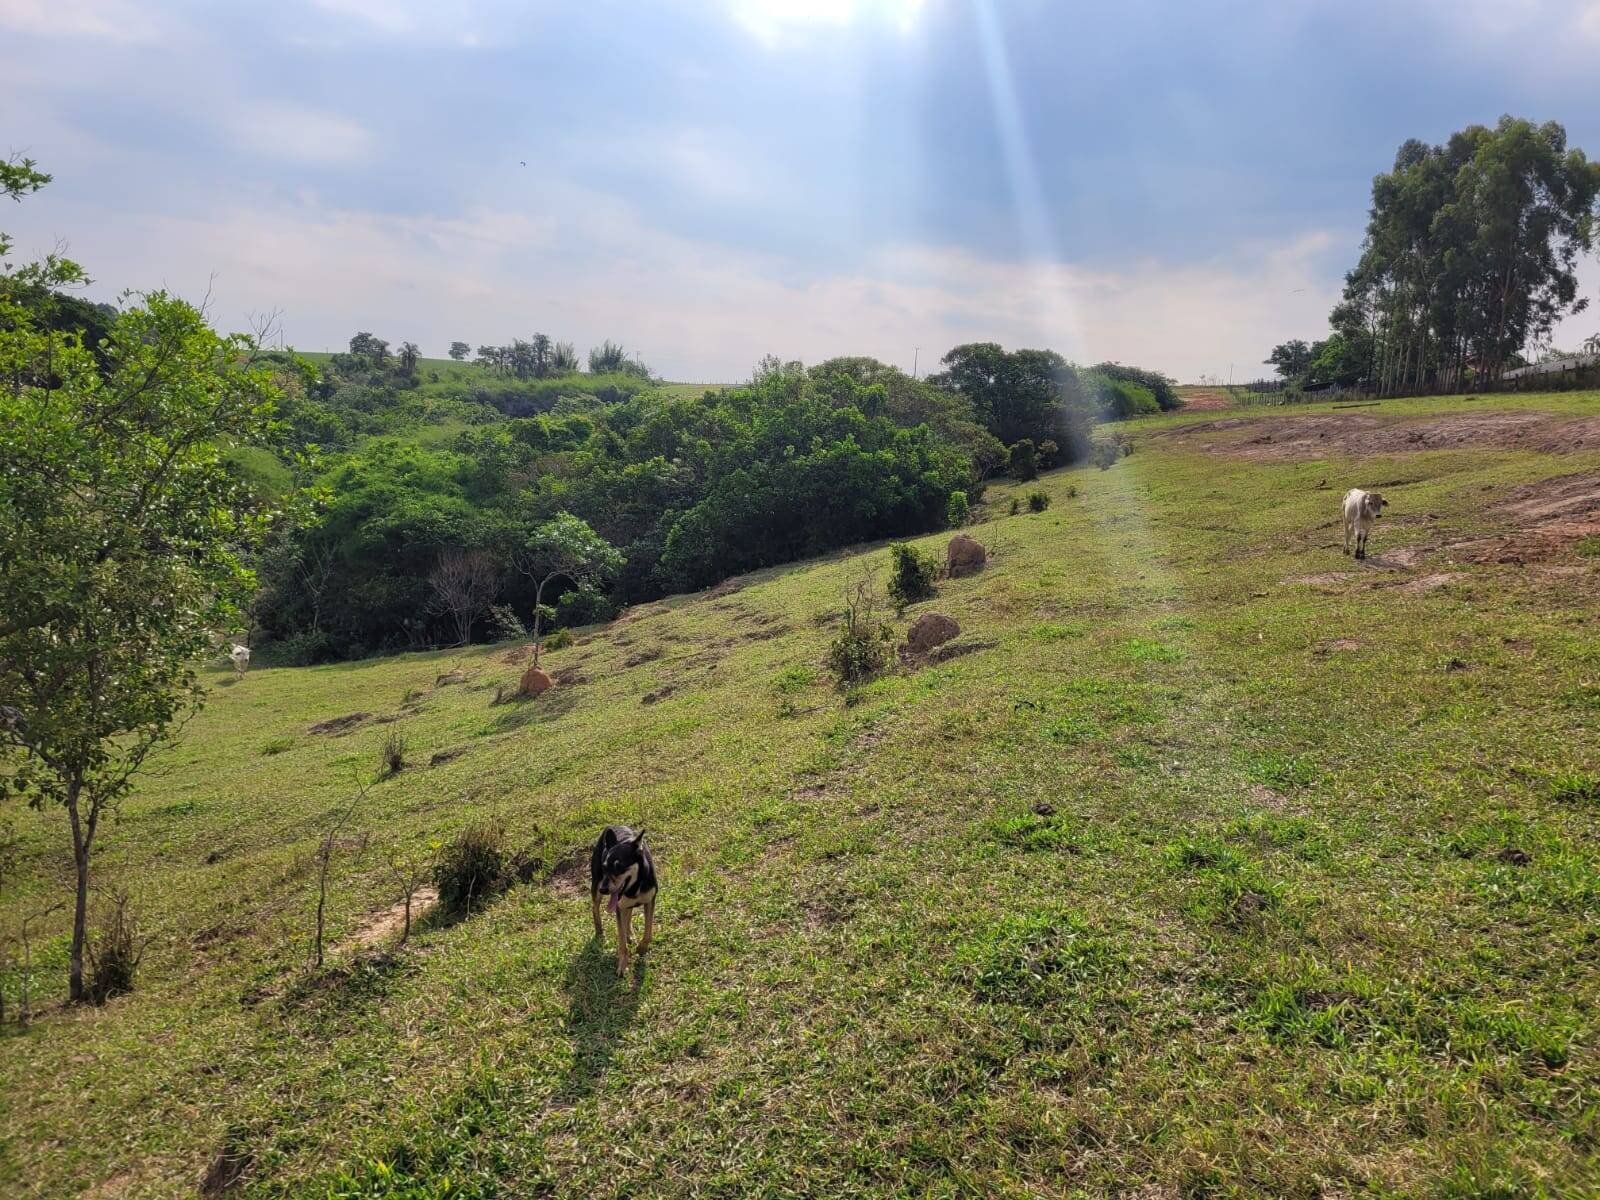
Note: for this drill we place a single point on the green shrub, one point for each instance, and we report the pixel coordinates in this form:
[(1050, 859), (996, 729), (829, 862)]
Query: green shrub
[(559, 640), (862, 648), (1024, 460), (956, 510), (277, 745), (1016, 506), (473, 867), (1038, 501), (911, 575)]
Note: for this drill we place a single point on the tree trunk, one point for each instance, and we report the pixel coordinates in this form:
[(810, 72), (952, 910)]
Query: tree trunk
[(538, 615), (82, 841)]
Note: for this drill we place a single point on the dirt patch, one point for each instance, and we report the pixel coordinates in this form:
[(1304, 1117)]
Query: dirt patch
[(642, 657), (1206, 401), (338, 725), (389, 922), (1428, 583), (571, 676), (1338, 646), (570, 877), (726, 588), (659, 694), (1317, 435), (1330, 578), (1569, 498), (767, 634), (440, 757), (827, 908), (225, 1171), (1267, 798)]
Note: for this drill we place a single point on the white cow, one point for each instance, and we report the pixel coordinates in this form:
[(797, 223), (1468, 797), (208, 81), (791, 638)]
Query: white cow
[(1361, 509), (240, 656)]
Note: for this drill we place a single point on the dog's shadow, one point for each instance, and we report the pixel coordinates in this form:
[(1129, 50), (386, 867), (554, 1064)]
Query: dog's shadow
[(600, 1008)]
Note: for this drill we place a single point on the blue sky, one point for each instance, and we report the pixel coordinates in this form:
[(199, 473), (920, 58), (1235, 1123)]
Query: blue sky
[(1176, 185)]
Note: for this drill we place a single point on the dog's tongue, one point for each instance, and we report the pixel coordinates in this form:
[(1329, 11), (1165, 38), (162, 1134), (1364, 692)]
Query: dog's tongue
[(615, 897)]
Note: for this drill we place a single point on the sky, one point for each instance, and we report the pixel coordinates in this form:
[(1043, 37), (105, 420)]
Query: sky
[(1176, 186)]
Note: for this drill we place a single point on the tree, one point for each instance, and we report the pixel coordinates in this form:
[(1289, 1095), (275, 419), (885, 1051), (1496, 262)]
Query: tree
[(563, 358), (121, 536), (564, 547), (463, 583), (370, 348), (1292, 360), (409, 353), (1470, 256), (459, 351)]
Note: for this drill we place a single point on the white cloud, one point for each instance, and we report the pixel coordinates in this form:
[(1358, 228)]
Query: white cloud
[(588, 266), (109, 20), (297, 134), (773, 21)]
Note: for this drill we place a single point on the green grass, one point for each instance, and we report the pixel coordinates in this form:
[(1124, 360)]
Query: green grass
[(1153, 895)]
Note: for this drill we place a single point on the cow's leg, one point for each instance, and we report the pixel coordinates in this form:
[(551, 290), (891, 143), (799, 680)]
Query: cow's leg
[(1347, 537), (1361, 543)]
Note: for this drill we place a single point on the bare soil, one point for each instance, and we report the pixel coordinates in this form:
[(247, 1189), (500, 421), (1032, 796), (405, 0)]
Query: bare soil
[(1206, 401), (388, 922), (1318, 435)]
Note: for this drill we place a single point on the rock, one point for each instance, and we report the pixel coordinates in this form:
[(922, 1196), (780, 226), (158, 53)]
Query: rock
[(534, 682), (930, 630), (966, 555)]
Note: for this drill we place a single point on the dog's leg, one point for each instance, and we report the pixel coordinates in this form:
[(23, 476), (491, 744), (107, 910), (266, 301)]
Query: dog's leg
[(624, 919), (594, 902), (649, 926)]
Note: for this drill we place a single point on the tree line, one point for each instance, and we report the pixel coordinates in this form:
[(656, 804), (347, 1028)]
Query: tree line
[(1469, 261), (794, 462)]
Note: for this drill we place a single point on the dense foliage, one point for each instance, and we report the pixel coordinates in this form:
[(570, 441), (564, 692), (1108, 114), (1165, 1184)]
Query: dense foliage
[(1468, 263)]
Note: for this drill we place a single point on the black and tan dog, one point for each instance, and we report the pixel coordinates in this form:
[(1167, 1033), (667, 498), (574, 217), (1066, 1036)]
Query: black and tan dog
[(621, 867)]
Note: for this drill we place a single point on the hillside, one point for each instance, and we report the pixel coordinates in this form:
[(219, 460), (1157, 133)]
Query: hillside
[(1216, 864)]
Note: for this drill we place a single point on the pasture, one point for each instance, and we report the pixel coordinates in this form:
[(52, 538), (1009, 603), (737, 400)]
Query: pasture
[(1214, 863)]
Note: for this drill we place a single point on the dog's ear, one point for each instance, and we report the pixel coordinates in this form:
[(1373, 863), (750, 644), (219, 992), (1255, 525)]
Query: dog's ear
[(639, 837)]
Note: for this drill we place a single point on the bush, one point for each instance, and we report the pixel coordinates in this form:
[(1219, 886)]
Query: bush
[(1038, 501), (584, 606), (559, 640), (956, 510), (1016, 506), (1024, 460), (911, 575), (1105, 452), (114, 953), (392, 757), (862, 647), (473, 867), (505, 625)]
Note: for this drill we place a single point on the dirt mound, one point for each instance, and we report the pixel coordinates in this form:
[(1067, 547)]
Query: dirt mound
[(927, 631), (339, 724), (965, 555), (534, 683)]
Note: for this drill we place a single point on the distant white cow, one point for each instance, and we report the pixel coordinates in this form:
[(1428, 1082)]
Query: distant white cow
[(1361, 509), (240, 656)]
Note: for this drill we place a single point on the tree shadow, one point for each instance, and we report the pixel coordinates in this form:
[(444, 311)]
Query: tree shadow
[(600, 1008), (520, 713)]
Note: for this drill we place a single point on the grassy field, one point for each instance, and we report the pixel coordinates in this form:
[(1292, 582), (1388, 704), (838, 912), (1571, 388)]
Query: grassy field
[(1221, 865)]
